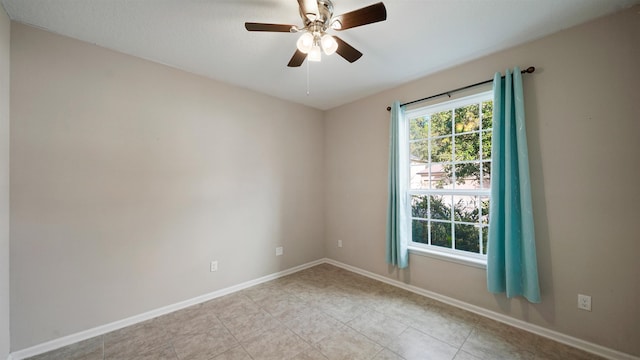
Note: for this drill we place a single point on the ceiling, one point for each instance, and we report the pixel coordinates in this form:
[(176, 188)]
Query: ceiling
[(207, 37)]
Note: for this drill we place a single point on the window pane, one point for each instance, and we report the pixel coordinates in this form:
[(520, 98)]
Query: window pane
[(420, 206), (419, 164), (441, 176), (486, 175), (419, 176), (418, 128), (487, 114), (467, 238), (419, 151), (467, 118), (486, 144), (441, 234), (485, 239), (441, 149), (468, 176), (420, 231), (466, 208), (441, 207), (467, 147), (484, 206), (441, 123)]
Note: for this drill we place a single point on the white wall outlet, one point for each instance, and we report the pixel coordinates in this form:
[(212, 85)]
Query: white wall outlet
[(339, 243), (584, 302), (214, 266), (279, 250)]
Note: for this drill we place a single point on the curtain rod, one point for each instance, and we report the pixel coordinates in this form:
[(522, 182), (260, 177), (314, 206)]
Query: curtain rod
[(528, 70)]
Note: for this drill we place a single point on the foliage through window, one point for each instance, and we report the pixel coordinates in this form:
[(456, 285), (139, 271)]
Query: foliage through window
[(449, 164)]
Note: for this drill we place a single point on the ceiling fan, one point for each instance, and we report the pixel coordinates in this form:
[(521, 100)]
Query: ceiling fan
[(317, 16)]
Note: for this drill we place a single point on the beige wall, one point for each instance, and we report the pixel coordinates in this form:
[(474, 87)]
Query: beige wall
[(582, 107), (129, 177), (4, 183)]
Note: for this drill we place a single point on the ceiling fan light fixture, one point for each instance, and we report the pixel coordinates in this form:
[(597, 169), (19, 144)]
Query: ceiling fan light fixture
[(315, 54), (317, 20), (329, 44), (305, 42)]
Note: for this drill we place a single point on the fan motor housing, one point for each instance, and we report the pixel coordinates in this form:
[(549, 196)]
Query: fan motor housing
[(325, 13), (325, 9)]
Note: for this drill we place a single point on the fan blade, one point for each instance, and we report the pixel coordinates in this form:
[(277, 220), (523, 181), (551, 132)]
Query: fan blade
[(309, 8), (297, 59), (347, 51), (251, 26), (366, 15)]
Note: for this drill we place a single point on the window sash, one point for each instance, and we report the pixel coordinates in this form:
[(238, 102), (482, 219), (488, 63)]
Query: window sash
[(479, 193)]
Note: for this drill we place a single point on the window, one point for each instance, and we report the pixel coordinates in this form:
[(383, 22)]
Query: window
[(449, 166)]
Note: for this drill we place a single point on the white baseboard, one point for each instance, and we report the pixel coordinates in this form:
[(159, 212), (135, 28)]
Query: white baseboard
[(103, 329), (538, 330)]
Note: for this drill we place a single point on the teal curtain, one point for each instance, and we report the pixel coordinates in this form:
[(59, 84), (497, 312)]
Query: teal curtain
[(397, 252), (511, 254)]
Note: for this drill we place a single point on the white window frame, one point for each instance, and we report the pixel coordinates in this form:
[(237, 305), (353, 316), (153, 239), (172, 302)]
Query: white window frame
[(453, 255)]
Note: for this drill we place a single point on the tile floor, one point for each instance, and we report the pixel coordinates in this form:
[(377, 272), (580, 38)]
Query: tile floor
[(323, 312)]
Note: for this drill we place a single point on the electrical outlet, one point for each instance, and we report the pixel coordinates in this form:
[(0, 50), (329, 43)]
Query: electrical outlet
[(339, 243), (584, 302), (279, 250), (214, 266)]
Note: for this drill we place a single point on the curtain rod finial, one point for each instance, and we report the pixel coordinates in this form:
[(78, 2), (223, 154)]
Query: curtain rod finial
[(530, 70), (388, 108)]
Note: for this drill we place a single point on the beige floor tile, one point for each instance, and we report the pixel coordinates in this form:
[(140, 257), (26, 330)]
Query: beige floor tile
[(362, 297), (248, 325), (361, 285), (457, 313), (230, 306), (488, 345), (237, 353), (442, 327), (312, 326), (405, 306), (90, 349), (341, 308), (387, 354), (284, 303), (205, 345), (303, 291), (192, 320), (276, 344), (262, 292), (461, 355), (377, 327), (141, 338), (415, 345), (311, 354), (162, 353), (378, 301), (348, 344), (510, 335), (318, 295)]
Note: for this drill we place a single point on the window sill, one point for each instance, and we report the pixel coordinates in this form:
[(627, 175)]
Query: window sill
[(477, 263)]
